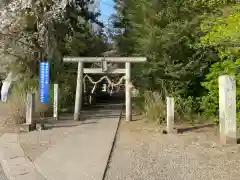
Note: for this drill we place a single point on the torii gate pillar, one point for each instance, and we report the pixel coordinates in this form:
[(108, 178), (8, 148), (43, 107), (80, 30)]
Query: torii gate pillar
[(128, 91), (79, 91)]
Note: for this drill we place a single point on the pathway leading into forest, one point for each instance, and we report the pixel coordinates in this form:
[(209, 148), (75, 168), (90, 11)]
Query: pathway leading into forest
[(71, 150), (68, 150)]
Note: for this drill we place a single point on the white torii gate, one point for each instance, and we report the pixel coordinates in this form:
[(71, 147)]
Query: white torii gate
[(104, 69)]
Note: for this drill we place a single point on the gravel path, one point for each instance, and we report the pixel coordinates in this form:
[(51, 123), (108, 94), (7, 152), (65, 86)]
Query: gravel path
[(142, 153)]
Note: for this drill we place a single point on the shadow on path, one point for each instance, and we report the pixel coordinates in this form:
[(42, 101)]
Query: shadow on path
[(191, 128)]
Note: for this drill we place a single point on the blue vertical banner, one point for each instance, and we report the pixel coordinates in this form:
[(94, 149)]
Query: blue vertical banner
[(44, 82)]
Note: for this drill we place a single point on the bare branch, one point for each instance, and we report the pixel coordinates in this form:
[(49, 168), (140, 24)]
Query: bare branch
[(24, 43)]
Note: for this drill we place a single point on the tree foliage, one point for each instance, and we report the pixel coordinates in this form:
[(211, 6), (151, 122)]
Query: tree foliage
[(188, 44), (46, 35), (223, 35), (47, 30), (167, 33)]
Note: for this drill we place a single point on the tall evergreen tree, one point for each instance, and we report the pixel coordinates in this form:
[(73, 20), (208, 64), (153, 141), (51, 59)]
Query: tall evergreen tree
[(167, 33), (48, 30)]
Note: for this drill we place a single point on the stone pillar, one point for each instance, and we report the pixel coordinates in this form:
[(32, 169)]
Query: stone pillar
[(30, 124), (29, 108), (55, 101), (227, 109), (170, 115), (79, 89), (128, 91)]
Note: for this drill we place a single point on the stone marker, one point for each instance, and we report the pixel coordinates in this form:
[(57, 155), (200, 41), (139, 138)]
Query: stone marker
[(55, 102), (29, 108), (170, 115), (227, 109), (30, 124)]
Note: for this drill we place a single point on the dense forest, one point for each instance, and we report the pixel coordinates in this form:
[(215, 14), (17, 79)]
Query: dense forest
[(44, 30), (188, 44)]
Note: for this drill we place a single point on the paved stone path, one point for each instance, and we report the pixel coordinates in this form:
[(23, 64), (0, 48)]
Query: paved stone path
[(80, 155), (84, 155), (15, 164)]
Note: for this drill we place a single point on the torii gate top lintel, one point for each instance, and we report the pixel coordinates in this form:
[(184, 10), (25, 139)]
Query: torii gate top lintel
[(107, 59)]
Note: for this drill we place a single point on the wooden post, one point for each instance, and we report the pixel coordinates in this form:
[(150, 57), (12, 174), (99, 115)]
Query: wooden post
[(227, 109), (79, 89), (55, 101), (128, 93), (170, 114)]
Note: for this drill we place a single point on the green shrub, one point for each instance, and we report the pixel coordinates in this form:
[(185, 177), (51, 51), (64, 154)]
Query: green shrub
[(138, 102), (67, 95), (154, 107), (186, 109), (189, 105), (17, 100), (18, 97), (223, 35), (67, 89), (210, 102), (151, 105), (17, 106)]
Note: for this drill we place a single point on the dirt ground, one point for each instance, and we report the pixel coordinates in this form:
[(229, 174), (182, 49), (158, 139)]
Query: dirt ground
[(3, 113), (6, 124), (3, 116), (142, 152)]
